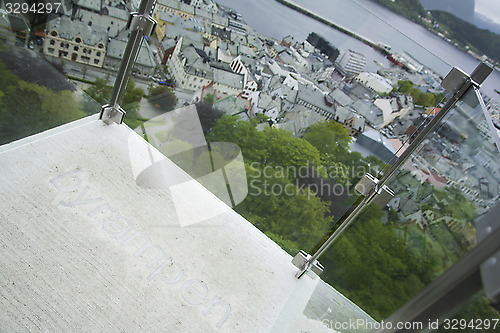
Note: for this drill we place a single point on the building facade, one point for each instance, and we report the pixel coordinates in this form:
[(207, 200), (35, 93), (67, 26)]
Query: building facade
[(75, 41), (175, 8)]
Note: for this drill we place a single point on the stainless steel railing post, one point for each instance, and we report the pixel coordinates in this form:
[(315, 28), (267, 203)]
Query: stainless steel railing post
[(140, 24), (458, 83)]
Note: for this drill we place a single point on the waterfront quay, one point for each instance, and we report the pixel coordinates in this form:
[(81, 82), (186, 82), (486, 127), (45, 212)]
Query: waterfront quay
[(376, 45)]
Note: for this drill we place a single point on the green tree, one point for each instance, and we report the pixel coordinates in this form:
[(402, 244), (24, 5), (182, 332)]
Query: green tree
[(285, 150), (132, 96), (405, 86), (242, 133), (374, 268), (277, 206), (209, 99), (99, 91), (208, 116), (28, 108), (329, 137), (428, 100), (477, 310)]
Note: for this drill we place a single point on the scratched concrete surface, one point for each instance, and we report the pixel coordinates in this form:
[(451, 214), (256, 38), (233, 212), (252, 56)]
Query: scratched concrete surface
[(87, 249)]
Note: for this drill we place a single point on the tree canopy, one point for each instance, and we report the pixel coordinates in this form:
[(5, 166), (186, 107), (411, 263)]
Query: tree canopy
[(100, 91), (407, 87), (163, 97), (371, 263), (28, 108)]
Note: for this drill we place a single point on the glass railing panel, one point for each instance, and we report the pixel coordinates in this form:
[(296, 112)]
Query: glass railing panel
[(36, 97), (49, 59), (448, 183), (191, 69), (391, 253), (421, 41), (477, 314)]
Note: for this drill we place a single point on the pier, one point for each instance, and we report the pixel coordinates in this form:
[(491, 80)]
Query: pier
[(378, 46)]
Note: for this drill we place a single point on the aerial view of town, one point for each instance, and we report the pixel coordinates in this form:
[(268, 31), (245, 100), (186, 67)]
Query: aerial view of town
[(311, 114)]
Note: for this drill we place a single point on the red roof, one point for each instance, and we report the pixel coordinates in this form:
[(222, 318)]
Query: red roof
[(40, 33)]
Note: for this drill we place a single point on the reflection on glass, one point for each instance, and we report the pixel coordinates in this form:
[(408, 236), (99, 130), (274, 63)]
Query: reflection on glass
[(35, 96), (391, 254), (476, 315)]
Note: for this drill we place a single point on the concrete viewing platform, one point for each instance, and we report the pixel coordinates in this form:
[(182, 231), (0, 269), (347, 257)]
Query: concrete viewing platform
[(86, 247)]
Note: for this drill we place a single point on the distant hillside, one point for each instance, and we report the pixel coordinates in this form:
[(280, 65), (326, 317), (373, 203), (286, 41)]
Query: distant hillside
[(484, 40), (411, 9), (459, 31), (463, 9)]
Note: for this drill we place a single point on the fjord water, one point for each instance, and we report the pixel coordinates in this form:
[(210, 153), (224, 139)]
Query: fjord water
[(375, 22)]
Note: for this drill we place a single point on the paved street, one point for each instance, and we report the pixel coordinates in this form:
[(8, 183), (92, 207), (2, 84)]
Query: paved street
[(149, 110), (91, 73), (183, 96)]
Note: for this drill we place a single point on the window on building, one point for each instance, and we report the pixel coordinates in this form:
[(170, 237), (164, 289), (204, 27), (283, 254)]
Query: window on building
[(98, 54), (96, 61), (52, 42), (78, 40), (75, 48)]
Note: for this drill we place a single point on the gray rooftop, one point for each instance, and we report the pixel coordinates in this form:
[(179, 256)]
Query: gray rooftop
[(313, 96), (90, 4), (117, 47), (340, 97), (117, 13), (195, 64), (255, 42), (232, 105), (112, 25), (177, 5), (378, 145), (68, 29), (267, 102), (228, 77), (188, 36), (374, 117)]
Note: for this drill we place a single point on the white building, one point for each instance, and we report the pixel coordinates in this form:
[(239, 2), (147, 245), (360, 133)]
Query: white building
[(192, 70), (375, 82), (250, 85), (350, 63)]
